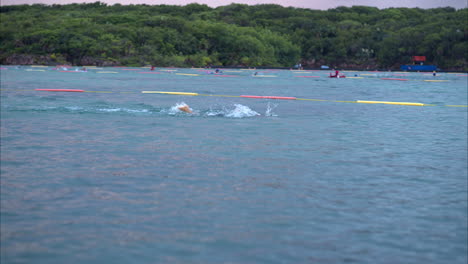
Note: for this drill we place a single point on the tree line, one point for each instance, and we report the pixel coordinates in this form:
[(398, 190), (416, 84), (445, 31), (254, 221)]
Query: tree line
[(233, 35)]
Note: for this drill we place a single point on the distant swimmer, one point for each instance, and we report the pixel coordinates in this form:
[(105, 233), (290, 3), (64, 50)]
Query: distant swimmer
[(185, 108)]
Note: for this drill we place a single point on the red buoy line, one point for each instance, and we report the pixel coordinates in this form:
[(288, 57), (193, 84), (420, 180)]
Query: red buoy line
[(253, 97)]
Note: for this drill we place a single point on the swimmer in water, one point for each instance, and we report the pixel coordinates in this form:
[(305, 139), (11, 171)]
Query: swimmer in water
[(185, 108)]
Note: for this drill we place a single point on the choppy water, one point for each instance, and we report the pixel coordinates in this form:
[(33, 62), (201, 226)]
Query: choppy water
[(113, 175)]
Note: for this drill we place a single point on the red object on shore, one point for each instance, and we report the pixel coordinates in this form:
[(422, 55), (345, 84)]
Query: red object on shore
[(419, 58), (61, 90)]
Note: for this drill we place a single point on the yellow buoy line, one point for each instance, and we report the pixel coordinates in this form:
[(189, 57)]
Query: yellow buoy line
[(302, 99), (259, 97)]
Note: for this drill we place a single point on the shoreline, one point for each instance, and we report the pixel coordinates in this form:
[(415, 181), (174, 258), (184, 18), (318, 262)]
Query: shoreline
[(236, 67)]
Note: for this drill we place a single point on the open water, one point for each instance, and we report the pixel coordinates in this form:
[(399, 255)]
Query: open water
[(113, 175)]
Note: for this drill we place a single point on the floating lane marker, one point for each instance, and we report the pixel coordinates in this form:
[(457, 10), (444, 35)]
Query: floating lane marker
[(355, 77), (317, 100), (247, 96), (106, 72), (178, 93), (188, 74), (225, 75), (99, 92), (219, 95), (307, 76), (61, 90), (345, 101), (268, 97), (436, 80), (393, 79), (392, 103), (265, 76), (151, 72), (35, 70), (39, 66)]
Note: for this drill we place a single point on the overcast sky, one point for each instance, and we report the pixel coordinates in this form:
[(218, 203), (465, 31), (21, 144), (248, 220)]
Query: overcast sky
[(313, 4)]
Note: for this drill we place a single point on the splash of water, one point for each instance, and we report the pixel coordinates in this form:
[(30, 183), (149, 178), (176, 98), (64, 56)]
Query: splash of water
[(269, 110), (241, 111)]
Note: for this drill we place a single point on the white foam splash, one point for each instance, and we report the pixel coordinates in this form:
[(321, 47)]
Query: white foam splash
[(110, 110), (74, 108), (241, 111), (213, 112), (269, 110), (106, 110)]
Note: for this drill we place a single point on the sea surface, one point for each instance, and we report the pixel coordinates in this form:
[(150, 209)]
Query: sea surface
[(114, 175)]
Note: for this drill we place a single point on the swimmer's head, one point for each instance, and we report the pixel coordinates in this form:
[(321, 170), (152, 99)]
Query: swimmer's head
[(185, 108)]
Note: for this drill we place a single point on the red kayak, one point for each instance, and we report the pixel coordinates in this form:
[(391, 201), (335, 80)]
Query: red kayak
[(337, 76)]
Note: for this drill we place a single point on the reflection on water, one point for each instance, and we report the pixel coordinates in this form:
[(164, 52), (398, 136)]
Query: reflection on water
[(125, 178)]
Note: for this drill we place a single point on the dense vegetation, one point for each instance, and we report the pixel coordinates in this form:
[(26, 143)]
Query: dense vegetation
[(233, 35)]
